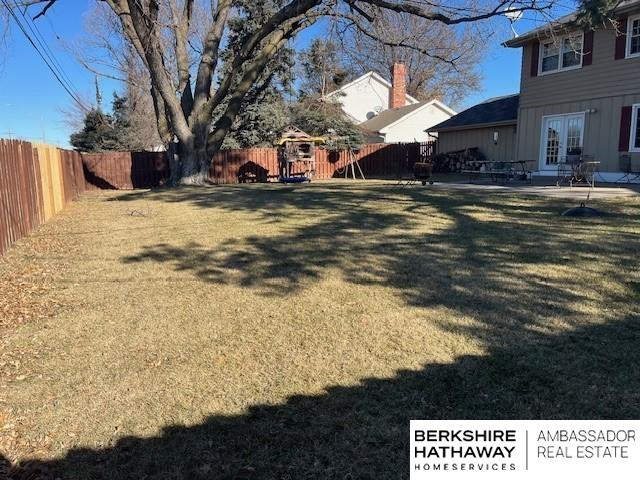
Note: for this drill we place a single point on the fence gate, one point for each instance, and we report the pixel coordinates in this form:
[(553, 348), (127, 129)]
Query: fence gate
[(427, 151)]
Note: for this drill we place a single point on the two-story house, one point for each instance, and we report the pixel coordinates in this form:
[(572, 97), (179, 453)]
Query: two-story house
[(581, 89), (385, 111), (579, 92)]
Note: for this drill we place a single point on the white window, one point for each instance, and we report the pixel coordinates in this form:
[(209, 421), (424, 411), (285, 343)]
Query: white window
[(634, 139), (561, 53), (633, 37)]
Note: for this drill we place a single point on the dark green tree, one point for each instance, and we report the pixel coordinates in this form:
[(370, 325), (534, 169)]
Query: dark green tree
[(597, 12), (264, 112), (106, 132), (259, 124), (97, 134), (326, 119)]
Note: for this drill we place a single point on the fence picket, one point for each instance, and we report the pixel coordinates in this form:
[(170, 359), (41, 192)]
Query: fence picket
[(36, 181)]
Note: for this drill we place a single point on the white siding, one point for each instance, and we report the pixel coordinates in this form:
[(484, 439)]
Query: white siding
[(412, 127), (364, 99)]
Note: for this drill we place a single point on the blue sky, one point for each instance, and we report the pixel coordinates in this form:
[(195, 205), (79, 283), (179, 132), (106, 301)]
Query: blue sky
[(31, 98)]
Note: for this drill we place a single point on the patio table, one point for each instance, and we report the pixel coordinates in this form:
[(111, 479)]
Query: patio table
[(575, 172), (507, 172)]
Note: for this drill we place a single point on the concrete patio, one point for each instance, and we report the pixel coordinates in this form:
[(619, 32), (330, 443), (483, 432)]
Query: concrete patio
[(565, 192)]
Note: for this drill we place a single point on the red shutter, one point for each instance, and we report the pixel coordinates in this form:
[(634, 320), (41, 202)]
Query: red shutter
[(625, 129), (621, 39), (535, 58), (587, 48)]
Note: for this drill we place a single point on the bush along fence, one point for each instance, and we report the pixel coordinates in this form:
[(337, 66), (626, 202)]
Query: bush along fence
[(36, 182), (129, 170)]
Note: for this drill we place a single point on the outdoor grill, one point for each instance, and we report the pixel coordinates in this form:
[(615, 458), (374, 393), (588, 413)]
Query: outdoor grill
[(423, 171)]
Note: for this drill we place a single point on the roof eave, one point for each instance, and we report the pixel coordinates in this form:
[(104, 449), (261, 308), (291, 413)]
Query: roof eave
[(540, 33), (434, 102), (554, 27), (504, 123)]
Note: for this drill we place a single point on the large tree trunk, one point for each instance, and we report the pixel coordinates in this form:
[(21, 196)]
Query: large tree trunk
[(192, 166), (193, 156)]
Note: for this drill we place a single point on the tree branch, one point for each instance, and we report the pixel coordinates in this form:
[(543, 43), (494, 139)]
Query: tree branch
[(503, 7), (296, 8), (252, 72), (209, 57)]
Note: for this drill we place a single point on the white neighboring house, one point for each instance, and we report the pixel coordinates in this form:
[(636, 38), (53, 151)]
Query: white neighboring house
[(386, 111), (405, 124)]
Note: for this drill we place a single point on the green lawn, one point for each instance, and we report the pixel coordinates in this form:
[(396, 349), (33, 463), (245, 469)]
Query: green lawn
[(265, 331)]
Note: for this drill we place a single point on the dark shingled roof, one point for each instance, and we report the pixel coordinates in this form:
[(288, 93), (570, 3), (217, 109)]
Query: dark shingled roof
[(496, 110), (387, 117)]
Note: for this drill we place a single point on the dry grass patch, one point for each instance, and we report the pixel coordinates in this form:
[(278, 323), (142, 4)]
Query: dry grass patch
[(265, 331)]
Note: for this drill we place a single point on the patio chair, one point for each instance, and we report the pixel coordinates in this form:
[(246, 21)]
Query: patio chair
[(626, 167), (577, 168), (585, 170), (565, 172)]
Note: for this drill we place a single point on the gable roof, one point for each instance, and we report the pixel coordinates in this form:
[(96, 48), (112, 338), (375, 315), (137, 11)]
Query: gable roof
[(501, 110), (563, 23), (390, 117), (387, 117), (370, 76)]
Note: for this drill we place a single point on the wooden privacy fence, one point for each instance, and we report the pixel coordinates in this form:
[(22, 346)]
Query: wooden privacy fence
[(125, 170), (128, 170), (36, 182)]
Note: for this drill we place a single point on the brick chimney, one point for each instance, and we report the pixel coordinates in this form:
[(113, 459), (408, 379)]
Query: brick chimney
[(398, 94)]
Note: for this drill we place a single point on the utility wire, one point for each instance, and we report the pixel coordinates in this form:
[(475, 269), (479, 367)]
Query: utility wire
[(47, 50), (53, 70)]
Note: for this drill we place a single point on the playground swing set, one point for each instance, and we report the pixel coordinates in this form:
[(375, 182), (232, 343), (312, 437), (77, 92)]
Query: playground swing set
[(297, 159), (297, 156)]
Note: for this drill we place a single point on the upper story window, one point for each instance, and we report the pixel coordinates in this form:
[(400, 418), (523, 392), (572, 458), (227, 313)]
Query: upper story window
[(633, 37), (561, 53), (634, 144)]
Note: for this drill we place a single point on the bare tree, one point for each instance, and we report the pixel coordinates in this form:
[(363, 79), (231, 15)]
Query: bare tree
[(449, 72), (73, 114), (105, 51), (187, 86)]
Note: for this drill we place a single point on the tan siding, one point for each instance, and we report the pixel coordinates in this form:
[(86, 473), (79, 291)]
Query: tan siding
[(483, 139), (605, 86), (607, 77), (602, 128)]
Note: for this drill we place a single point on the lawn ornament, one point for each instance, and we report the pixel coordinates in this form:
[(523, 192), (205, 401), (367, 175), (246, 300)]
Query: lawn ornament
[(583, 210)]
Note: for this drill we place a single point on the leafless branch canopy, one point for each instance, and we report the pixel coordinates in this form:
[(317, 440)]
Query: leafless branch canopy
[(178, 44)]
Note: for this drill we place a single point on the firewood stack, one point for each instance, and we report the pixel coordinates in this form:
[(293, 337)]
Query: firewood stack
[(458, 161)]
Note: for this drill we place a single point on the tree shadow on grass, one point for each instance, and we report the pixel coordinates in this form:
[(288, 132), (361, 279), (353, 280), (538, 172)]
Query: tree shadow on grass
[(362, 431), (510, 265), (514, 268)]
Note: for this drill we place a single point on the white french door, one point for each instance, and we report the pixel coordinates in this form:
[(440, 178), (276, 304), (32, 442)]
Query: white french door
[(560, 133)]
